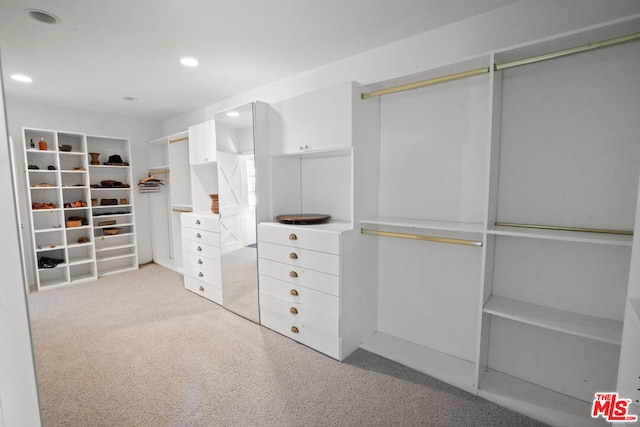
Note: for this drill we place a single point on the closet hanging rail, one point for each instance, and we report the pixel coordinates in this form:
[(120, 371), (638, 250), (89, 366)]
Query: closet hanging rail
[(436, 80), (184, 138), (561, 228), (421, 237), (570, 51)]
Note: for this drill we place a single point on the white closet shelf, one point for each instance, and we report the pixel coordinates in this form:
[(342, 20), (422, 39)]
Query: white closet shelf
[(45, 248), (109, 166), (72, 153), (45, 188), (52, 283), (450, 369), (48, 230), (113, 248), (111, 258), (96, 227), (561, 235), (114, 236), (595, 328), (83, 278), (111, 206), (80, 261), (467, 227), (331, 152), (113, 215), (535, 401), (79, 245)]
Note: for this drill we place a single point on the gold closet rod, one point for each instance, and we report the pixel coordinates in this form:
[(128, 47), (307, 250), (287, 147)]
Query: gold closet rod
[(181, 210), (421, 237), (561, 228), (511, 64), (184, 138), (557, 54), (423, 83)]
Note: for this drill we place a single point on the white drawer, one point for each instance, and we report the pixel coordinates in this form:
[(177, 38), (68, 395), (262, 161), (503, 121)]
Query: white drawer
[(210, 292), (300, 237), (203, 236), (201, 249), (308, 335), (301, 258), (301, 314), (294, 294), (323, 282), (203, 263), (209, 277), (201, 221)]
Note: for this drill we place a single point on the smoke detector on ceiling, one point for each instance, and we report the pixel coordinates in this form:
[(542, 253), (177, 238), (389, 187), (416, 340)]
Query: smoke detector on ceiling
[(42, 16)]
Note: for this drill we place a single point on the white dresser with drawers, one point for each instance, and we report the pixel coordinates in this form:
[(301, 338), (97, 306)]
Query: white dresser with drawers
[(201, 254), (300, 284)]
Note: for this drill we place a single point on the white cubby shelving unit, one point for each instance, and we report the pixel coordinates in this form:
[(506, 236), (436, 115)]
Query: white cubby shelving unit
[(115, 253), (497, 208), (64, 223)]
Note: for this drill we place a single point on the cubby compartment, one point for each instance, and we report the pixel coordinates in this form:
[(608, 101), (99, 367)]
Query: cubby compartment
[(72, 143), (52, 277), (32, 138), (42, 160), (82, 271), (49, 240), (80, 254), (79, 236), (74, 178), (47, 219), (43, 179)]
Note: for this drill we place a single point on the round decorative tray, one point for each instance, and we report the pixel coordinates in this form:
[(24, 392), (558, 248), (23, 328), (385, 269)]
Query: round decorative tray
[(303, 219)]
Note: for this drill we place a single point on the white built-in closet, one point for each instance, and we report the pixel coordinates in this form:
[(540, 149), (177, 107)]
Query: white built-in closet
[(497, 207)]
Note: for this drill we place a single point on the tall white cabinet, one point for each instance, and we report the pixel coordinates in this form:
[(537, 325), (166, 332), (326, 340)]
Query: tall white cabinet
[(308, 280), (496, 211), (81, 215)]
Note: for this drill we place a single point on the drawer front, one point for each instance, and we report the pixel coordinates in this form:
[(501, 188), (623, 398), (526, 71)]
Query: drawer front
[(202, 263), (301, 258), (201, 249), (294, 294), (307, 335), (201, 236), (323, 282), (299, 237), (301, 314), (200, 222), (205, 290), (207, 277)]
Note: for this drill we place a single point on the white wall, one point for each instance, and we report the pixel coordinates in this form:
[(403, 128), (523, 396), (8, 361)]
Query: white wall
[(22, 113), (18, 389), (509, 26)]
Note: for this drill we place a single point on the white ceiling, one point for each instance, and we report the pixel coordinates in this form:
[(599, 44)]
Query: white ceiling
[(103, 51)]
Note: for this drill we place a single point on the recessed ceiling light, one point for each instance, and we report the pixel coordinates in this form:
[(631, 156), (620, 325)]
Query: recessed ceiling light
[(189, 62), (21, 78), (129, 98), (42, 16), (233, 114)]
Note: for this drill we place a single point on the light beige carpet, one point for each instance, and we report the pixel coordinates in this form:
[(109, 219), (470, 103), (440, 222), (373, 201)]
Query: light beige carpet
[(137, 349)]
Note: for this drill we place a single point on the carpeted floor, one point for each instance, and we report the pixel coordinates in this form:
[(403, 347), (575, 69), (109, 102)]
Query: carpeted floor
[(137, 349)]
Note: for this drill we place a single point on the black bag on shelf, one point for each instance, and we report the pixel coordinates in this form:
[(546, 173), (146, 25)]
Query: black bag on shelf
[(46, 262)]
